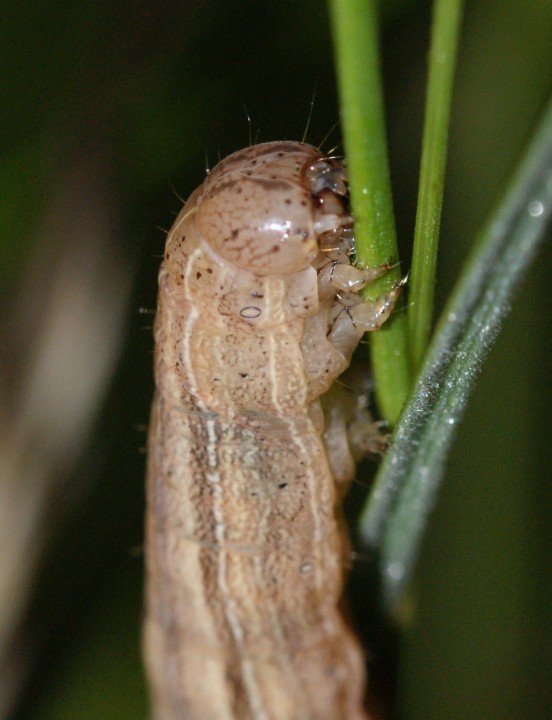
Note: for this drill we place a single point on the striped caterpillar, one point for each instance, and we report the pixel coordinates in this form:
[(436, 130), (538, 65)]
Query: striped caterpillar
[(258, 313)]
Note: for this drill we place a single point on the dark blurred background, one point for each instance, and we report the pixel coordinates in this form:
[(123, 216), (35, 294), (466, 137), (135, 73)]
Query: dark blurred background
[(109, 113)]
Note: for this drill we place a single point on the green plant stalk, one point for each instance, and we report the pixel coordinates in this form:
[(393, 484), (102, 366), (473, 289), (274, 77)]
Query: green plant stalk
[(396, 515), (447, 15), (355, 30)]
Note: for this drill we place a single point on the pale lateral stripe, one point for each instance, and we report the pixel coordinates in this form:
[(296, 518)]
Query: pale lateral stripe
[(187, 330), (207, 621), (212, 442), (220, 532), (283, 657)]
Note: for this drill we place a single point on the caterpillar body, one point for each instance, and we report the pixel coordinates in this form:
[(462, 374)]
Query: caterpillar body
[(258, 313)]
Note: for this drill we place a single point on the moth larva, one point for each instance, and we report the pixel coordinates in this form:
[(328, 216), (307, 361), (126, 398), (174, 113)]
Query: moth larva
[(258, 313)]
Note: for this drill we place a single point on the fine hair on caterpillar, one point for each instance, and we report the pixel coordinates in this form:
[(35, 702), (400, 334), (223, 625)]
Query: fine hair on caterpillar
[(252, 446)]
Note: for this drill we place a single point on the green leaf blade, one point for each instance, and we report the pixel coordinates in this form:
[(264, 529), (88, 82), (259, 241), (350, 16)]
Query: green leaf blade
[(396, 515), (447, 15), (355, 28)]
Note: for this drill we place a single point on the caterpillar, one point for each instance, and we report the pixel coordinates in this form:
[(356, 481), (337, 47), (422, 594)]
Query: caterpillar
[(258, 312)]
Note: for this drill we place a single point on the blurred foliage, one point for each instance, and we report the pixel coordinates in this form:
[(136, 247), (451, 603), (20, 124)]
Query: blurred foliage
[(155, 89)]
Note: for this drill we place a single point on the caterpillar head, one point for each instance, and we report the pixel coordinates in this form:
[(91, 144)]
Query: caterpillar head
[(271, 208)]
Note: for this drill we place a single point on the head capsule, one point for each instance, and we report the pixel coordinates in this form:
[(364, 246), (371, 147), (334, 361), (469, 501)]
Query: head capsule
[(271, 208)]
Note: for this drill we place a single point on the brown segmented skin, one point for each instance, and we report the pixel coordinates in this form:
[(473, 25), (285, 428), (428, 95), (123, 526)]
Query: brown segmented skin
[(245, 554)]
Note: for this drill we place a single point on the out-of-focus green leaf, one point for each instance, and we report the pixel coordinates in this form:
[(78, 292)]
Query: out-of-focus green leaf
[(396, 515)]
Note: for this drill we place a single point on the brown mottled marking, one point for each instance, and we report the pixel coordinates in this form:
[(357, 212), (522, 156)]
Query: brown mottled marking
[(258, 313)]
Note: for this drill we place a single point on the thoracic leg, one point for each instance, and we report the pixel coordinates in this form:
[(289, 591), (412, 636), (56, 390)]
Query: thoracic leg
[(353, 316), (344, 276)]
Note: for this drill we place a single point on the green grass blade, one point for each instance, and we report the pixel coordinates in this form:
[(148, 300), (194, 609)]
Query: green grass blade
[(447, 16), (395, 518), (355, 30)]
